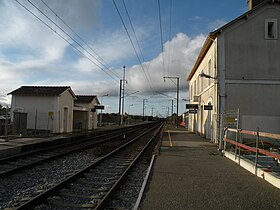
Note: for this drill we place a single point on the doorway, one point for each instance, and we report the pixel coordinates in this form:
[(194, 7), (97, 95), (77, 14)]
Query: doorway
[(65, 119), (208, 124)]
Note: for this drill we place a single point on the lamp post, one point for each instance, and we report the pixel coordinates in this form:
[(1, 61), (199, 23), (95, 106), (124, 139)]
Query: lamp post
[(177, 111), (144, 108), (129, 113), (202, 74), (171, 110), (129, 108), (121, 98), (100, 121), (6, 124)]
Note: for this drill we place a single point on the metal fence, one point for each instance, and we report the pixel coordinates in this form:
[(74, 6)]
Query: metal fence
[(252, 144)]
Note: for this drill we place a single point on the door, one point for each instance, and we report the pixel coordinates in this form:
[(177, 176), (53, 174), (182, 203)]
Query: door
[(208, 124), (65, 119)]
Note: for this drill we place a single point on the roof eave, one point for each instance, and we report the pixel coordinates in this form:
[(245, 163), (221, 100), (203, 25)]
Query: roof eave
[(207, 44), (213, 35), (71, 92)]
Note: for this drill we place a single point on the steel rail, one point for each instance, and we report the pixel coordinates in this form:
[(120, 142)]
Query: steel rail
[(55, 156), (63, 145), (40, 199), (104, 202)]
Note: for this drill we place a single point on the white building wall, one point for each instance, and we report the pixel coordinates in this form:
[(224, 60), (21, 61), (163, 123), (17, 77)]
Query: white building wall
[(252, 71), (94, 118), (66, 104), (204, 89), (87, 117), (248, 76), (37, 109)]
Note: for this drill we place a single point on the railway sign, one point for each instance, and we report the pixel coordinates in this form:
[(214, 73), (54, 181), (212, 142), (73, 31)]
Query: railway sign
[(231, 119), (99, 107), (208, 107), (191, 106), (192, 111)]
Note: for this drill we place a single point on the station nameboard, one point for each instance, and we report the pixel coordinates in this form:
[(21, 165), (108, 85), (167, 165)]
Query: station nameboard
[(192, 111), (191, 106), (208, 107), (98, 107)]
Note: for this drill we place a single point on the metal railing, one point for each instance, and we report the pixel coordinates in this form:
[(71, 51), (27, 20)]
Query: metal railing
[(243, 142)]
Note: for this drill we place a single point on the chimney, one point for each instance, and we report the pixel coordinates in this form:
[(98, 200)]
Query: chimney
[(253, 3)]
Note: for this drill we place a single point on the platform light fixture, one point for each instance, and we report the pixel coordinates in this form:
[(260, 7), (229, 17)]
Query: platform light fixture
[(202, 74)]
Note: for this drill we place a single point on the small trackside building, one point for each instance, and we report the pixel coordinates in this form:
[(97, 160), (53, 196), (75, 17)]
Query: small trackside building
[(239, 68), (85, 114), (48, 108)]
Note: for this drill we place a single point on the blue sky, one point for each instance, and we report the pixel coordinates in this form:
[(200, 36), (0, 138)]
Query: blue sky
[(33, 54)]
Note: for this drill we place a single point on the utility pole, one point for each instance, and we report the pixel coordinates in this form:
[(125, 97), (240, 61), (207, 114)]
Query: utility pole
[(100, 121), (171, 107), (120, 101), (6, 124), (177, 118), (123, 85), (177, 123), (168, 111), (144, 108), (171, 110)]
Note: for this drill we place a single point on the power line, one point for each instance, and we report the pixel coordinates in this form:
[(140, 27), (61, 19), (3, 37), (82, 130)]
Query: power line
[(103, 63), (161, 40), (170, 18), (133, 45), (141, 53), (47, 25), (133, 30), (66, 34)]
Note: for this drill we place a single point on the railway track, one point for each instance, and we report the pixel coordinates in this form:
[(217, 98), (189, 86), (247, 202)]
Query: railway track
[(17, 163), (93, 186)]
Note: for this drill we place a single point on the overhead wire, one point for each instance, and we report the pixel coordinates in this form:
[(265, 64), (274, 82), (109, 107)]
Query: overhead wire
[(66, 34), (133, 46), (161, 37), (55, 31), (137, 42), (170, 21), (97, 57), (127, 13)]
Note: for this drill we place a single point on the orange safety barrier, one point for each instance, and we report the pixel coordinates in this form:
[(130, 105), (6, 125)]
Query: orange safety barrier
[(253, 149)]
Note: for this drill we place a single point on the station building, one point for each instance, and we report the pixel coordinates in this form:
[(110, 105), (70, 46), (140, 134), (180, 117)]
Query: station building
[(235, 80), (53, 109), (85, 113)]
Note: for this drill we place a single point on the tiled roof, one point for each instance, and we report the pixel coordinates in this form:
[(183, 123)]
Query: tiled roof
[(85, 98), (40, 90)]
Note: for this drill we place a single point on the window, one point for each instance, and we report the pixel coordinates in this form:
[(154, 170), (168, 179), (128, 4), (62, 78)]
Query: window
[(191, 92), (198, 85), (194, 88), (202, 81), (271, 29), (210, 70)]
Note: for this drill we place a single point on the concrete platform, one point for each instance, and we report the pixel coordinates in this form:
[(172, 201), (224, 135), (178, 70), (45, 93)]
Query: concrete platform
[(190, 173)]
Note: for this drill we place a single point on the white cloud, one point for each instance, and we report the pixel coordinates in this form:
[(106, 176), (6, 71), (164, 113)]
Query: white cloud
[(114, 46), (183, 53), (31, 54), (195, 18), (214, 25)]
